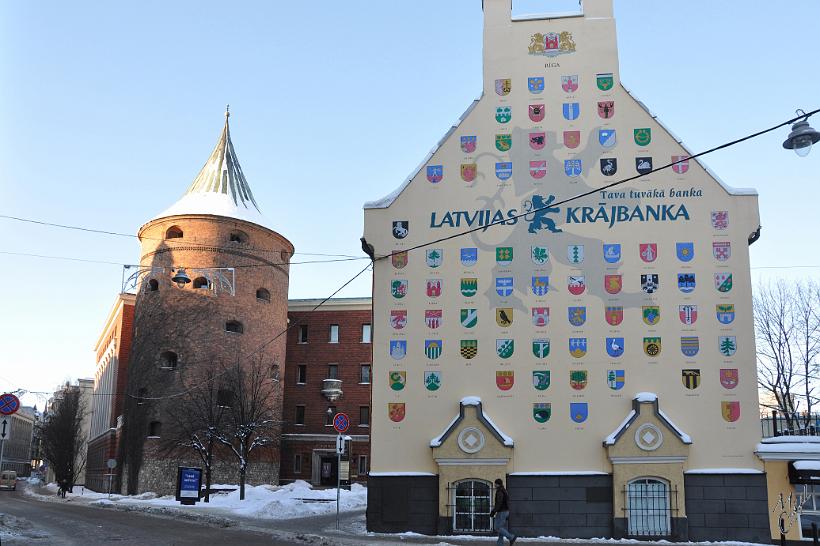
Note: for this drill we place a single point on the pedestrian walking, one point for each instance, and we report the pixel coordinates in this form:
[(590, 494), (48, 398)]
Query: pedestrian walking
[(501, 514)]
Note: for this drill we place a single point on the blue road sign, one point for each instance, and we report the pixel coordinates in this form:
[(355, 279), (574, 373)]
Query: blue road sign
[(9, 404), (341, 422)]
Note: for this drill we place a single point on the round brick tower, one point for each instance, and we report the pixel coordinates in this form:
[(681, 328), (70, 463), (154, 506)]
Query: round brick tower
[(231, 312)]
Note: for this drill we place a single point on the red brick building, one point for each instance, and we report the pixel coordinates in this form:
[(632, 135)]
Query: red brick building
[(328, 367), (112, 350)]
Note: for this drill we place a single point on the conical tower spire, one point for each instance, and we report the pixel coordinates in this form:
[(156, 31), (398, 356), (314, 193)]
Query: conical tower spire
[(220, 188)]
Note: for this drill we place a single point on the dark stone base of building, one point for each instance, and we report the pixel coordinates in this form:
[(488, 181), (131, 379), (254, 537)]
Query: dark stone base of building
[(312, 458), (719, 507), (402, 503), (562, 506), (727, 507)]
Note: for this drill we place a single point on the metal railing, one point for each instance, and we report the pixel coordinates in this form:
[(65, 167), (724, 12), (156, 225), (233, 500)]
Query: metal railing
[(777, 425)]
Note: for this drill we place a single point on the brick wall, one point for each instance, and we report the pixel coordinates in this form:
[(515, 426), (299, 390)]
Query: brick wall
[(348, 354)]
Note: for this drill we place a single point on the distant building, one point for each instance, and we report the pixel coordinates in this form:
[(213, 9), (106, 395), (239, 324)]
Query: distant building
[(327, 368), (112, 351), (17, 449)]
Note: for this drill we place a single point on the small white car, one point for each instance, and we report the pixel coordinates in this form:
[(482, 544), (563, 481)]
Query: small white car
[(8, 480)]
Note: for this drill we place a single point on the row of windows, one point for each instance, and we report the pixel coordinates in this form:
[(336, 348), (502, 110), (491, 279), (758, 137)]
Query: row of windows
[(364, 415), (334, 333), (262, 294), (332, 373), (361, 464), (236, 236)]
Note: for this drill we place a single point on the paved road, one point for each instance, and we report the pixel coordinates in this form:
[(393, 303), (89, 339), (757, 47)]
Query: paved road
[(35, 522)]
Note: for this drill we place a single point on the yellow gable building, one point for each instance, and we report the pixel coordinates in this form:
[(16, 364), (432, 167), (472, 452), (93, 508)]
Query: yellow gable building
[(590, 343)]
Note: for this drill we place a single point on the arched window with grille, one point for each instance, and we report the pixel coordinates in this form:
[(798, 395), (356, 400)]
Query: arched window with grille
[(201, 282), (471, 502), (649, 511), (168, 360)]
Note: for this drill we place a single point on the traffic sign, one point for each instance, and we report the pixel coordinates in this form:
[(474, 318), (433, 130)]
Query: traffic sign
[(341, 422), (5, 428), (340, 444), (111, 463), (9, 404)]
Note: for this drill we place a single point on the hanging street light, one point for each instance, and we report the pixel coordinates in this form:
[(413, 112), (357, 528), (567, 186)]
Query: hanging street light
[(802, 137), (181, 278)]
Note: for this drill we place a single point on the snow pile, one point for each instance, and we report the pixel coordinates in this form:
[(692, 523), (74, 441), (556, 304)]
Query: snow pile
[(294, 500)]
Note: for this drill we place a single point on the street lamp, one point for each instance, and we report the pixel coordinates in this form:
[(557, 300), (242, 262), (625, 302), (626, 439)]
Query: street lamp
[(802, 137), (181, 278)]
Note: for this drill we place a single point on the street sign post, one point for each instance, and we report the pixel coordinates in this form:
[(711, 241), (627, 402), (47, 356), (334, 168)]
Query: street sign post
[(341, 422), (9, 404), (111, 464), (5, 427)]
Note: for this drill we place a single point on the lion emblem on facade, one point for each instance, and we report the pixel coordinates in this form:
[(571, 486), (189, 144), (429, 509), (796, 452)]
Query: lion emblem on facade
[(538, 210)]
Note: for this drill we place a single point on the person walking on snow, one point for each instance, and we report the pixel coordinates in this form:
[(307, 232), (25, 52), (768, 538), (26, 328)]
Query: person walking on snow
[(501, 514)]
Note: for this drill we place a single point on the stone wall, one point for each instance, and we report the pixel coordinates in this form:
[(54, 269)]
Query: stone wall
[(402, 503), (727, 507), (563, 506)]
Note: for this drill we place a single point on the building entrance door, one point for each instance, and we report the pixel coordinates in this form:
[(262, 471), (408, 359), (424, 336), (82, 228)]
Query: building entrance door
[(329, 470)]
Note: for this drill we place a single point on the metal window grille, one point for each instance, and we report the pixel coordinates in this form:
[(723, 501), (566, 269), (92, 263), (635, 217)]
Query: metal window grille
[(471, 502), (649, 505)]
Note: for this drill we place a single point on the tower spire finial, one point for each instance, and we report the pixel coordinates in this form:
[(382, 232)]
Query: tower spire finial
[(227, 110)]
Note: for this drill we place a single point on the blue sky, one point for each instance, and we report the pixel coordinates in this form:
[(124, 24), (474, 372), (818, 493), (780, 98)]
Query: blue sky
[(110, 109)]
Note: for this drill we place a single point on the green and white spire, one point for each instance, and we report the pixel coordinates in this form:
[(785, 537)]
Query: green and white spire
[(220, 188)]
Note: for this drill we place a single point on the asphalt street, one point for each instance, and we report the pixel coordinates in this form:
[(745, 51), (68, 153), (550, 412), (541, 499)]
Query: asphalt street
[(24, 520)]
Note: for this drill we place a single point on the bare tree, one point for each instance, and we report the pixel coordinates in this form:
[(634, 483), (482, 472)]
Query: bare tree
[(196, 418), (251, 421), (787, 330), (59, 433)]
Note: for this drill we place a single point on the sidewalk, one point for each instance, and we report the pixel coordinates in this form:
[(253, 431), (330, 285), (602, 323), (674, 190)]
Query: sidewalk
[(313, 529)]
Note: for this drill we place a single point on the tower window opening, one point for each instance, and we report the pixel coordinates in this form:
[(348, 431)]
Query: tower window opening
[(153, 285), (202, 282), (263, 294), (237, 236), (142, 394), (154, 429), (234, 326), (168, 360), (173, 232)]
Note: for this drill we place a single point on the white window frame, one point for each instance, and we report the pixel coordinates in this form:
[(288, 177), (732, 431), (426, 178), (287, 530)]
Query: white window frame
[(367, 333), (299, 368), (369, 367), (302, 328), (334, 333), (297, 463), (362, 465), (472, 511)]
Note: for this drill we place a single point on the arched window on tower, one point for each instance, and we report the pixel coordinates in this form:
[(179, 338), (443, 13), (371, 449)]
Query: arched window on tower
[(168, 360), (201, 282), (153, 285), (142, 394), (263, 294), (173, 232), (234, 326), (238, 236)]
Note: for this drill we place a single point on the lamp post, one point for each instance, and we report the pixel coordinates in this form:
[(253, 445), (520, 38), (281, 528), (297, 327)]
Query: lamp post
[(802, 136)]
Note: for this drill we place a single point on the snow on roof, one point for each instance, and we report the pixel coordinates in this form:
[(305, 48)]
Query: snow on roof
[(796, 447), (791, 440), (806, 465), (471, 401), (646, 397), (685, 438), (506, 439), (723, 471), (564, 473), (400, 474), (220, 188), (610, 440)]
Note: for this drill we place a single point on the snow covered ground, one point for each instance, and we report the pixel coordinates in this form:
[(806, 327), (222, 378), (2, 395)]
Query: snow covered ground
[(269, 502)]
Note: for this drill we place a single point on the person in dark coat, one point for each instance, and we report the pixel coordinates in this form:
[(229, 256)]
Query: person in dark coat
[(501, 514)]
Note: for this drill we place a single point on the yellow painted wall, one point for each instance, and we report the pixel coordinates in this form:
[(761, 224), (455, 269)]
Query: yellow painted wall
[(561, 444)]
